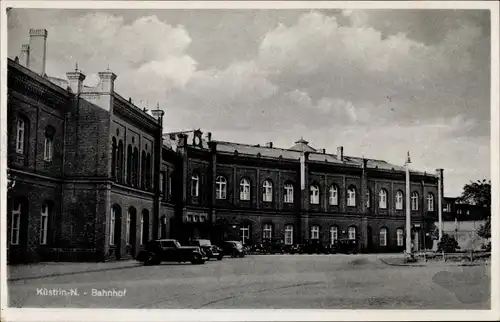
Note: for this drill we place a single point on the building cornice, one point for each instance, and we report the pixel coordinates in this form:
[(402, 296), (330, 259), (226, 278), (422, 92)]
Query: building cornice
[(132, 113)]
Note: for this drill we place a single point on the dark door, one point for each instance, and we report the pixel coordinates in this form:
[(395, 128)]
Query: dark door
[(370, 239), (118, 235), (132, 232)]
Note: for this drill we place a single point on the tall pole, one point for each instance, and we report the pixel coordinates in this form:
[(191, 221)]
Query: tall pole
[(408, 206), (440, 200)]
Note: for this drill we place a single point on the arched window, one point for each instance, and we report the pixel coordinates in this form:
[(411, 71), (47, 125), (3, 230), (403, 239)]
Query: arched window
[(112, 224), (267, 195), (245, 233), (288, 195), (135, 169), (351, 197), (334, 234), (114, 149), (245, 189), (288, 234), (127, 229), (399, 200), (148, 171), (48, 149), (414, 200), (163, 227), (130, 164), (16, 223), (143, 170), (315, 232), (400, 236), (368, 198), (351, 232), (21, 134), (267, 231), (119, 162), (314, 194), (44, 223), (195, 185), (430, 202), (382, 200), (383, 236), (144, 226), (220, 187), (333, 197)]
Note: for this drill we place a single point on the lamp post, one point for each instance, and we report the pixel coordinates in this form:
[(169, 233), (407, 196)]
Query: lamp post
[(408, 210)]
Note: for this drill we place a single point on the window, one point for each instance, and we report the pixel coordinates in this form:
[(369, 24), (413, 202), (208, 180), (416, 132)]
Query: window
[(400, 236), (145, 227), (48, 148), (315, 232), (382, 200), (448, 207), (399, 200), (135, 169), (414, 200), (170, 185), (202, 218), (119, 162), (141, 236), (334, 234), (383, 237), (195, 185), (112, 226), (267, 195), (430, 202), (244, 189), (220, 187), (195, 218), (44, 220), (16, 224), (351, 197), (288, 193), (245, 234), (113, 158), (267, 231), (352, 232), (127, 236), (162, 184), (314, 194), (130, 158), (468, 212), (333, 196), (368, 198), (289, 235), (20, 136), (190, 218)]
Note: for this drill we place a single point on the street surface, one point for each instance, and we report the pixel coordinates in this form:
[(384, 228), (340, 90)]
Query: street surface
[(265, 282)]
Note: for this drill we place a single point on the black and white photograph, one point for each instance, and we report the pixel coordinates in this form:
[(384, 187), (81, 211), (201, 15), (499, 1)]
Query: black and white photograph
[(251, 157)]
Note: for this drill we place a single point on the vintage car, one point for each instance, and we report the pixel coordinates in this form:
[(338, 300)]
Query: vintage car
[(210, 250), (273, 245), (313, 246), (345, 246), (232, 248), (170, 250)]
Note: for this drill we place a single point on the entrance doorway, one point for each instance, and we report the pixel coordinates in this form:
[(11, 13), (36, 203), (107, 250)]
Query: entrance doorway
[(116, 223)]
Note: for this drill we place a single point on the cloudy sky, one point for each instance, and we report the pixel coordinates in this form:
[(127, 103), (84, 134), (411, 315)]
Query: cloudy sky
[(378, 82)]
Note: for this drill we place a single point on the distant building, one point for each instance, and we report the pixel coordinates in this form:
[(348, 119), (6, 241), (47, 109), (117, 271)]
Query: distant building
[(93, 178)]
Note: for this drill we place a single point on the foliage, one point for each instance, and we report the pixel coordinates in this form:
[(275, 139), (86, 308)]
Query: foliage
[(484, 231), (477, 193), (448, 244)]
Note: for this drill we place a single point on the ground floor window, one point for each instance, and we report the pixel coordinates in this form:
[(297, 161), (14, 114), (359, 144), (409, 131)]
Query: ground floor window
[(400, 236), (315, 232), (334, 234), (245, 234), (289, 235), (44, 220), (267, 232), (16, 224), (352, 232), (112, 226), (383, 237)]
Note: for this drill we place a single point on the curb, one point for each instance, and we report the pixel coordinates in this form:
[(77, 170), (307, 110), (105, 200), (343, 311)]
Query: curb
[(449, 264), (71, 273), (407, 265)]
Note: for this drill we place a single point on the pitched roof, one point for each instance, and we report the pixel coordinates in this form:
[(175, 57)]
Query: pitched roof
[(302, 145)]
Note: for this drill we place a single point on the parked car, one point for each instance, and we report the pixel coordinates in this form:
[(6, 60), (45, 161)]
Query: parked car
[(170, 250), (210, 250), (346, 246), (273, 245), (313, 246), (232, 248)]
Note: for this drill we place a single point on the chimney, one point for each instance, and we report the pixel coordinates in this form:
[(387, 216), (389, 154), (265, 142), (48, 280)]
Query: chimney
[(209, 137), (340, 153), (107, 81), (37, 50), (25, 55), (323, 151), (269, 144), (76, 79)]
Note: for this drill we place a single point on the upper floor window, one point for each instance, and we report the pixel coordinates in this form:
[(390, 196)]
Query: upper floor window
[(414, 200), (20, 135), (399, 200), (267, 231), (169, 184), (448, 207), (314, 193), (383, 237), (44, 220), (16, 223), (368, 198), (162, 183), (314, 232), (220, 187), (288, 196), (351, 232), (382, 199), (267, 194), (49, 143), (351, 197), (333, 197), (244, 189), (195, 185), (430, 202)]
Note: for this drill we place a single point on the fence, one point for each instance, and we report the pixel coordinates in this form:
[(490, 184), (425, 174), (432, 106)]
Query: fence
[(471, 255)]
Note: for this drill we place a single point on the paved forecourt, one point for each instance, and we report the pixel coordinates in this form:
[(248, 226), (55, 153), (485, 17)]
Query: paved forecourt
[(265, 281)]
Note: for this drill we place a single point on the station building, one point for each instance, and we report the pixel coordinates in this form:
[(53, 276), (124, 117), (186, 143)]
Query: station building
[(92, 177)]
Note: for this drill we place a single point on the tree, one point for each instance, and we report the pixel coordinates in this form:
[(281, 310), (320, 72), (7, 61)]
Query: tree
[(448, 244), (479, 193)]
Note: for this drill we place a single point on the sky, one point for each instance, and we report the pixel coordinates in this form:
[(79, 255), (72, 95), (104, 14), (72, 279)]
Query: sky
[(377, 82)]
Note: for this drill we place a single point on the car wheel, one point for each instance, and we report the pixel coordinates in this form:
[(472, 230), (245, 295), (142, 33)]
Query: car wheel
[(197, 259), (149, 260), (220, 257)]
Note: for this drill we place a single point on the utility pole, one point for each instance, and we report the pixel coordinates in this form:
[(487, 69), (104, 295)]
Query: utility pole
[(408, 209)]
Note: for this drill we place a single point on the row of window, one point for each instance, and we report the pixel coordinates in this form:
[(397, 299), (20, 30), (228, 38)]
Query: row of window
[(130, 228), (22, 135), (16, 216), (333, 196), (267, 233), (132, 164)]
